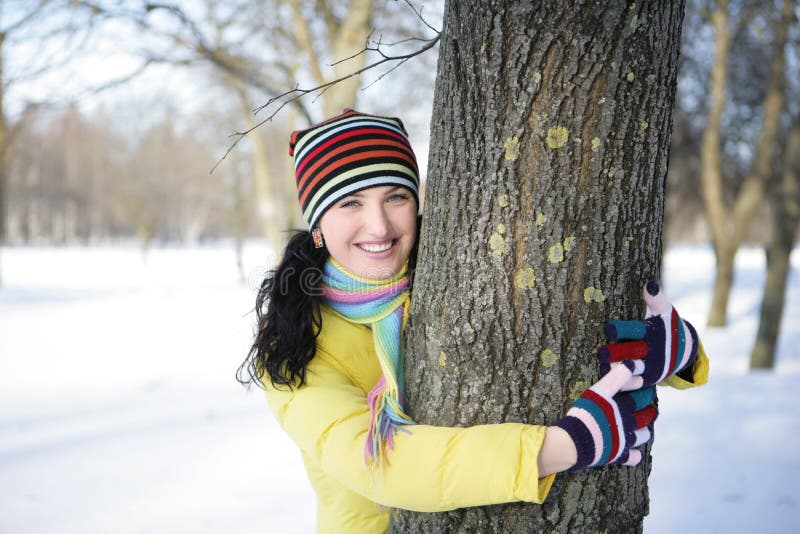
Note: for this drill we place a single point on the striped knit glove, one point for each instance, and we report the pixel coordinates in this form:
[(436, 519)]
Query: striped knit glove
[(664, 343), (606, 425)]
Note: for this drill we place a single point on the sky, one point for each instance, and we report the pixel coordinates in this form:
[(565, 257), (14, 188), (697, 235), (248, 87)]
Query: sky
[(113, 50)]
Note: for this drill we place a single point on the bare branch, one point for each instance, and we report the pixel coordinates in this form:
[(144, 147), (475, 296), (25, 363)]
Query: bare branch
[(25, 18), (180, 15), (377, 44), (379, 78), (407, 40), (298, 92), (419, 14), (67, 53), (119, 81), (360, 52), (327, 15)]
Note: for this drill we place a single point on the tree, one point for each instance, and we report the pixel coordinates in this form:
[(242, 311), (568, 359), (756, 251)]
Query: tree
[(729, 226), (14, 19), (32, 22), (543, 219), (785, 201)]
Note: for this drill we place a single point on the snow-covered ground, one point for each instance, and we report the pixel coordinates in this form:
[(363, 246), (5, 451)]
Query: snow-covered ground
[(119, 411)]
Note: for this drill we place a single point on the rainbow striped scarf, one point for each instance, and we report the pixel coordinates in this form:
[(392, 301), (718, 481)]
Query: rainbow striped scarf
[(383, 305)]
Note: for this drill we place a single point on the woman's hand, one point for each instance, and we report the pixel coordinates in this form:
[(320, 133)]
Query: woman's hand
[(664, 343), (605, 426)]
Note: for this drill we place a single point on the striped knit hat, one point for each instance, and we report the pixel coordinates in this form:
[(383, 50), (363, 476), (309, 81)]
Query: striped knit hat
[(348, 153)]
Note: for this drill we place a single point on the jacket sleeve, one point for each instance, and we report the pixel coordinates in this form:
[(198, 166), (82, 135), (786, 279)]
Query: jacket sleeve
[(689, 378), (431, 468)]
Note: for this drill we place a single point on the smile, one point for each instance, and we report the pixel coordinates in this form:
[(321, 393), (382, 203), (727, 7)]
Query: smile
[(376, 247)]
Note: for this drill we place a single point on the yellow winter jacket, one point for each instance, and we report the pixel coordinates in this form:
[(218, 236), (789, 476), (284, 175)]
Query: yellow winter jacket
[(432, 469)]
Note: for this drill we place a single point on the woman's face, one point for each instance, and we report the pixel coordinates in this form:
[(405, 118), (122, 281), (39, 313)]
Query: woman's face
[(371, 232)]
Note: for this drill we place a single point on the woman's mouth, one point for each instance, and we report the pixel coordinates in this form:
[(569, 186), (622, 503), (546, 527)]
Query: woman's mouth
[(377, 248)]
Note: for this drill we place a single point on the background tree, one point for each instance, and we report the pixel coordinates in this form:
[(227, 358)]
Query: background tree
[(729, 225), (57, 33), (784, 195), (550, 141)]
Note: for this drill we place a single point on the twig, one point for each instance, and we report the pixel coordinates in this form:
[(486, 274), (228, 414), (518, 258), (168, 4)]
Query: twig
[(299, 92), (419, 14), (287, 97), (379, 78)]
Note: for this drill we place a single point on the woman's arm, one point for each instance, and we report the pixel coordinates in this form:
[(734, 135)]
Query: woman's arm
[(558, 452), (431, 468)]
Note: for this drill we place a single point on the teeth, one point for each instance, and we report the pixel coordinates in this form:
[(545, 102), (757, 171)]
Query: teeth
[(377, 248)]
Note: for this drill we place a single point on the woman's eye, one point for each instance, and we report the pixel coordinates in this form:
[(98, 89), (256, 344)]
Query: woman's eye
[(348, 204), (398, 197)]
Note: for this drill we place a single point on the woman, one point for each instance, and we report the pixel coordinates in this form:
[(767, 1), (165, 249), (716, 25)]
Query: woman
[(328, 353)]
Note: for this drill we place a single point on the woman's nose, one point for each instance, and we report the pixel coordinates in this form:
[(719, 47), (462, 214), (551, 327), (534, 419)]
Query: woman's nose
[(378, 221)]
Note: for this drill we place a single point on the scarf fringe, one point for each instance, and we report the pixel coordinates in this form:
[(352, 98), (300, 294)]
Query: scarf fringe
[(386, 418)]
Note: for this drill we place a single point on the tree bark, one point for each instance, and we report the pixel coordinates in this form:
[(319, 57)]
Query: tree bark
[(544, 210), (786, 218), (730, 228)]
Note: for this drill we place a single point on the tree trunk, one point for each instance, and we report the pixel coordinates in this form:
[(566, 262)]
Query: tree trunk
[(239, 223), (271, 210), (725, 256), (543, 219), (786, 217), (3, 154), (730, 230), (347, 37), (711, 168), (348, 41)]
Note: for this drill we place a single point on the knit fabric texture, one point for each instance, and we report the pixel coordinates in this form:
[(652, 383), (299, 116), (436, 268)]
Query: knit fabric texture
[(383, 306), (607, 426), (654, 349), (348, 153)]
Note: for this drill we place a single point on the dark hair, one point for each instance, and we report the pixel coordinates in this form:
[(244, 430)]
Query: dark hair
[(288, 317)]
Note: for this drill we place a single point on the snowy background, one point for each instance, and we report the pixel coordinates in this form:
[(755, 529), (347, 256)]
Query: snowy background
[(119, 411)]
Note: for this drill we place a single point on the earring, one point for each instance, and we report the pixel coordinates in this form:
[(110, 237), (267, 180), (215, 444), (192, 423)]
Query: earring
[(316, 235)]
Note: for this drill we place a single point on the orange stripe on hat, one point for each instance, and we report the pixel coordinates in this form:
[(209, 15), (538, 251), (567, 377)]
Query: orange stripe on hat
[(304, 174)]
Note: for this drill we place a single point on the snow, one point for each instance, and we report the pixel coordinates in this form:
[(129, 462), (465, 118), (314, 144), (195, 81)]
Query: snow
[(727, 455), (119, 410)]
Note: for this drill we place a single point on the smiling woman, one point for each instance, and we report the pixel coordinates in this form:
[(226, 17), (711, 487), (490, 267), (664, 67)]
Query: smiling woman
[(328, 353)]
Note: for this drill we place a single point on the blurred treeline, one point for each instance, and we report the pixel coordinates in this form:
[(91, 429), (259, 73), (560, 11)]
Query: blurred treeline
[(72, 173), (76, 172), (75, 178)]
